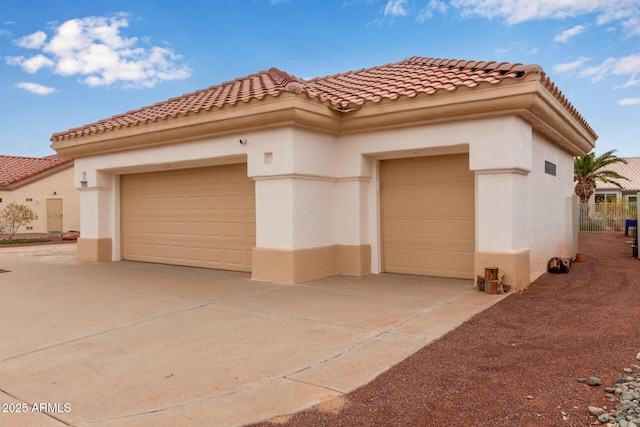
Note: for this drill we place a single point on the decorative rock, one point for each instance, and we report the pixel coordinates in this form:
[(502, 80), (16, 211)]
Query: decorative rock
[(582, 380), (627, 395), (603, 418), (626, 412), (638, 356), (593, 381)]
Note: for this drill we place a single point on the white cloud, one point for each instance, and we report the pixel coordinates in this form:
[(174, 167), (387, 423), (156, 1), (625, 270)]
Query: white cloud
[(564, 36), (396, 8), (570, 66), (95, 49), (35, 88), (35, 63), (628, 66), (433, 6), (598, 72), (516, 11), (629, 101), (32, 41)]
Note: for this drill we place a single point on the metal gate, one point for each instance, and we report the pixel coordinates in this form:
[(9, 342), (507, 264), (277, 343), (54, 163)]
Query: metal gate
[(608, 217), (54, 215)]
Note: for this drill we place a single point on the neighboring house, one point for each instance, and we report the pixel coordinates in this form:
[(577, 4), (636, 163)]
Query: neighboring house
[(46, 185), (425, 166), (630, 187)]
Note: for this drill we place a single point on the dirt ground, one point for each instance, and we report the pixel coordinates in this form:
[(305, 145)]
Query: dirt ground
[(517, 363)]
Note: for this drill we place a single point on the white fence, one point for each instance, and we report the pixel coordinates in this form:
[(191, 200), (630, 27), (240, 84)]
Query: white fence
[(608, 217)]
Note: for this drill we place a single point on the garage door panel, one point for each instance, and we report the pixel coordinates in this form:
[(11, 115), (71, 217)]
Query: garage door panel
[(427, 229), (399, 228), (396, 256), (460, 230), (428, 199), (201, 217), (428, 216)]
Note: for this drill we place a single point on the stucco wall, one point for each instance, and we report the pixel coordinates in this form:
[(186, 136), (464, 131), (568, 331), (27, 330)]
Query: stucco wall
[(317, 190), (62, 184), (548, 202)]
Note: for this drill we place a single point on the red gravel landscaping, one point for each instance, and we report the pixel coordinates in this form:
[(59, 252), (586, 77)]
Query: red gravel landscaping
[(517, 363)]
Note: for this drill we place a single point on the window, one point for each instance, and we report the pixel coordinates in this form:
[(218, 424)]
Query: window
[(550, 168), (606, 197), (632, 199)]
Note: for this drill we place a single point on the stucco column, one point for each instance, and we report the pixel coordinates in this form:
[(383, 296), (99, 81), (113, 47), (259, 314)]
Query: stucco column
[(306, 229), (352, 225), (502, 214), (95, 243), (501, 221)]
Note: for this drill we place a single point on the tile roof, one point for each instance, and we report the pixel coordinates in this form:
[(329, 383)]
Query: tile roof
[(631, 171), (407, 78), (14, 169)]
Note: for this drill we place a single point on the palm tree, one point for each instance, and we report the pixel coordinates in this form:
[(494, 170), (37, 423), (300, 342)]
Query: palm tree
[(589, 169)]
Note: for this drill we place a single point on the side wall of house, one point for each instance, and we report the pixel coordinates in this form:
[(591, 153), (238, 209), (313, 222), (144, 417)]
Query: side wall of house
[(549, 204), (59, 185)]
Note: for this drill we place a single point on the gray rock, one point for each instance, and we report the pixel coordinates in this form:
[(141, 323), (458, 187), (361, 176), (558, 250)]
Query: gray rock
[(596, 411), (603, 418), (593, 381)]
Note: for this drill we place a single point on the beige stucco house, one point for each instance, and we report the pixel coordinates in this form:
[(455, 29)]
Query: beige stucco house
[(46, 185), (425, 166)]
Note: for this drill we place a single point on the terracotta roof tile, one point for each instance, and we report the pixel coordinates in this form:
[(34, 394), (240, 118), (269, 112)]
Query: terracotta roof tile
[(14, 169), (631, 170), (406, 78)]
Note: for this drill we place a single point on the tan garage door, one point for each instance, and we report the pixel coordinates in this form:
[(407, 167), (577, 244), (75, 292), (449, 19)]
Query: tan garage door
[(203, 217), (428, 216)]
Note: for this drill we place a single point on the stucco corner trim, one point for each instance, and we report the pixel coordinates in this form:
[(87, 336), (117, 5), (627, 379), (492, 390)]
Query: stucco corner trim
[(291, 266), (514, 264), (94, 249), (517, 171)]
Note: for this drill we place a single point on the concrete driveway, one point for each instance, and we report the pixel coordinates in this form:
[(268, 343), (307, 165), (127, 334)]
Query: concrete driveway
[(134, 344)]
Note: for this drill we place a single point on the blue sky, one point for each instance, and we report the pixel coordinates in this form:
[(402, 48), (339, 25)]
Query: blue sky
[(65, 63)]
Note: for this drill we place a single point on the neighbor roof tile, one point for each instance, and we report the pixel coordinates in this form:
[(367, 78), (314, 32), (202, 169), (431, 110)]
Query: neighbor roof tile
[(631, 171), (406, 78), (15, 168)]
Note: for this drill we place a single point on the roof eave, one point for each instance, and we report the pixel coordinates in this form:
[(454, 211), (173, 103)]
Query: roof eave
[(529, 100), (37, 177), (272, 112)]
